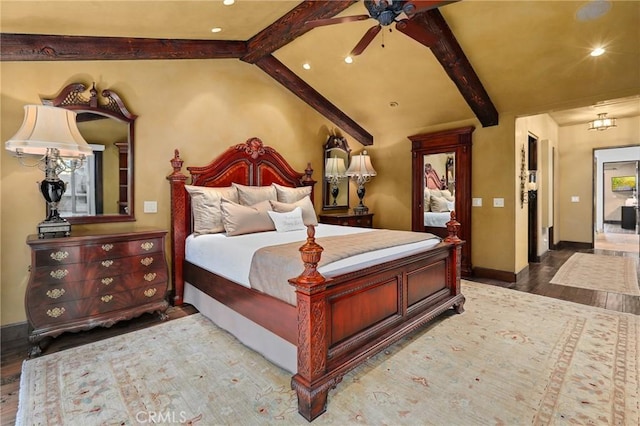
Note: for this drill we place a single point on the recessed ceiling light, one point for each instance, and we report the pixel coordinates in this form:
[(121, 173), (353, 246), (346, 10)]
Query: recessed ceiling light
[(306, 66), (228, 2), (597, 51), (348, 59), (216, 29)]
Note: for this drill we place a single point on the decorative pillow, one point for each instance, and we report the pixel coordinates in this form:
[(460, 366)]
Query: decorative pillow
[(446, 194), (451, 205), (289, 221), (205, 207), (250, 195), (286, 194), (239, 219), (439, 204), (308, 212), (427, 200)]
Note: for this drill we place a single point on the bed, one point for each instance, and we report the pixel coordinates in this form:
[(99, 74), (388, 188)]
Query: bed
[(340, 315), (438, 206)]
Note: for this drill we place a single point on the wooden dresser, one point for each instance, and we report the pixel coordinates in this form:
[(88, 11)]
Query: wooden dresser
[(88, 280), (347, 219)]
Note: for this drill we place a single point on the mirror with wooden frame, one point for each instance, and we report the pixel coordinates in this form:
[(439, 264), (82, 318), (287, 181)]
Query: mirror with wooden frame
[(335, 191), (441, 183), (102, 190)]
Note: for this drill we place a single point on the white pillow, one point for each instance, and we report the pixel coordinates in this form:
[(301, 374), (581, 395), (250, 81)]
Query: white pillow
[(287, 194), (205, 207), (308, 212), (289, 221), (451, 205)]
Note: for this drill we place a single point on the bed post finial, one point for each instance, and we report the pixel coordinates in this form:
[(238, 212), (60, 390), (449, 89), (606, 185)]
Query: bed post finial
[(453, 226), (311, 253), (176, 162)]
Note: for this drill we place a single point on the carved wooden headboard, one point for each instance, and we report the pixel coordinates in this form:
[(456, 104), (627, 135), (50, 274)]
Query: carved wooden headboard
[(250, 163)]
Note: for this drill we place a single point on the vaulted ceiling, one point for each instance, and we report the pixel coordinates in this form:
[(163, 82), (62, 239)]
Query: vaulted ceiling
[(524, 57)]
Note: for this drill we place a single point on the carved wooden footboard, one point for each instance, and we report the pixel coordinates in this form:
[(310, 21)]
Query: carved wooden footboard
[(345, 320)]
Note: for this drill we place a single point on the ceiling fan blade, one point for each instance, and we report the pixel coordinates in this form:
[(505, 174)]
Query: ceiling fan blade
[(331, 21), (412, 7), (416, 32), (366, 40)]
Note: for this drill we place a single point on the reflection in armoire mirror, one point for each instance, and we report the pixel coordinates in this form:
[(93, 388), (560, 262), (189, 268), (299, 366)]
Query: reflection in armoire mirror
[(102, 190), (335, 191), (441, 182)]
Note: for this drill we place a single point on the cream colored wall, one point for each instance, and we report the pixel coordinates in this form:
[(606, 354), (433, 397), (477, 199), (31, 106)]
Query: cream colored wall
[(200, 107), (575, 173)]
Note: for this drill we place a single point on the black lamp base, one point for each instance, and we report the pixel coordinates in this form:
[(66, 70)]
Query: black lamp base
[(54, 228)]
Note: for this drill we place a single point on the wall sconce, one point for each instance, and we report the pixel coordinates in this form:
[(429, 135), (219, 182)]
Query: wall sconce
[(334, 172), (361, 171), (52, 133), (523, 177), (602, 122)]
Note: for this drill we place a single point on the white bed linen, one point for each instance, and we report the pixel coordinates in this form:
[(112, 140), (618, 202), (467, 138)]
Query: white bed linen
[(437, 219), (230, 257)]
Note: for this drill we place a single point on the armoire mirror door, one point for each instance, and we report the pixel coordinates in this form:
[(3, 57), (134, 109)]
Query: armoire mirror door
[(441, 182)]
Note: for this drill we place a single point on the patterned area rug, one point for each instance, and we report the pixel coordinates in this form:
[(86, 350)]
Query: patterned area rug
[(615, 274), (511, 359)]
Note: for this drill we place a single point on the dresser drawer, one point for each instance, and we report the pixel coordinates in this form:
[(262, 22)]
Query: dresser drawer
[(73, 290), (62, 312), (111, 250), (58, 256), (98, 269)]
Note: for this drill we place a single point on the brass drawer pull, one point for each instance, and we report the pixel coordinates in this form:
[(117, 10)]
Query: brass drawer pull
[(107, 247), (147, 261), (107, 298), (150, 292), (107, 281), (59, 255), (55, 312), (55, 293), (150, 276), (107, 263), (146, 246), (59, 274)]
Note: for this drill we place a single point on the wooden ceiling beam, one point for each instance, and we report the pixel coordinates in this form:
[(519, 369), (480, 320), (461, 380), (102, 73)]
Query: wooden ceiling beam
[(448, 52), (291, 26), (37, 47), (279, 72)]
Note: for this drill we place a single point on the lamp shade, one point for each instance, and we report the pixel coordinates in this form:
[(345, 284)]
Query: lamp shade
[(361, 166), (334, 167), (46, 127)]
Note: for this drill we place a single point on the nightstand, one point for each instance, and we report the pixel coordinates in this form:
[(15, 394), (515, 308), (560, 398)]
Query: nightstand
[(92, 279), (348, 219)]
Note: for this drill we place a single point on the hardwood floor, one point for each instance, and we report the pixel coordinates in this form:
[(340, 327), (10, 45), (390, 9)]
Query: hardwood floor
[(536, 281)]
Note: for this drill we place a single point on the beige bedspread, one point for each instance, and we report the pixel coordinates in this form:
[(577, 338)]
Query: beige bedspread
[(273, 266)]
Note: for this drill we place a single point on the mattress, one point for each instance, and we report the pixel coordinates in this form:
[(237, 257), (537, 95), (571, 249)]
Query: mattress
[(437, 219), (230, 257)]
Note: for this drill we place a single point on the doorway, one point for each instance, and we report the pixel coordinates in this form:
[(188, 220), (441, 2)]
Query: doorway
[(617, 216)]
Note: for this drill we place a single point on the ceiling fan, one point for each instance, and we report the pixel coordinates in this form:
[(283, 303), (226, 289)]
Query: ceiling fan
[(386, 12)]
